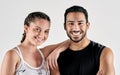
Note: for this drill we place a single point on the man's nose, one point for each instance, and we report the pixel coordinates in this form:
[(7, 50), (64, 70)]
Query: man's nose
[(76, 27)]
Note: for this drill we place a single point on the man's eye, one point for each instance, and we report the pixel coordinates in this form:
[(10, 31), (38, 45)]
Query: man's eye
[(80, 23), (71, 23)]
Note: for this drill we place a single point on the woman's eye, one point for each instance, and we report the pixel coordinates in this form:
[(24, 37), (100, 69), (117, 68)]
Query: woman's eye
[(37, 30), (47, 32)]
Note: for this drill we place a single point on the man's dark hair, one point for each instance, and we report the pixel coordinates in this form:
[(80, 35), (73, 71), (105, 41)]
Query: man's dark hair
[(76, 9)]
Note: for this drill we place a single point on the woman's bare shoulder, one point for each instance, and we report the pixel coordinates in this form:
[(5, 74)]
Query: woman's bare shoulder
[(11, 54)]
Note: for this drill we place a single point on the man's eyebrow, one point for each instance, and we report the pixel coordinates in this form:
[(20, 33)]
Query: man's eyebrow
[(70, 21), (81, 21), (78, 21)]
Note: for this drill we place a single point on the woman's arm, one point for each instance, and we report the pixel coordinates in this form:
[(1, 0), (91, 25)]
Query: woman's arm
[(9, 63), (52, 52), (54, 72), (59, 47)]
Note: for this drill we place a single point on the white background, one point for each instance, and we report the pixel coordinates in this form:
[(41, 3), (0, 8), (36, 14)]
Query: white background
[(104, 17)]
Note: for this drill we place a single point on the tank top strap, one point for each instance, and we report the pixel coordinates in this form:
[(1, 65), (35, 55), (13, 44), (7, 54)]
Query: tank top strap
[(43, 65), (42, 55), (19, 53)]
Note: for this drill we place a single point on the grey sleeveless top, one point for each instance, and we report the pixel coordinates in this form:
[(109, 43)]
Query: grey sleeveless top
[(25, 69)]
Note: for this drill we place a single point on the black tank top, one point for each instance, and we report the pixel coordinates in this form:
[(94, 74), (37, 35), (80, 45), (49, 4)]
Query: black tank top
[(82, 62)]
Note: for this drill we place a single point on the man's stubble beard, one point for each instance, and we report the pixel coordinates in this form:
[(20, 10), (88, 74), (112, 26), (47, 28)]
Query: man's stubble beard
[(76, 41)]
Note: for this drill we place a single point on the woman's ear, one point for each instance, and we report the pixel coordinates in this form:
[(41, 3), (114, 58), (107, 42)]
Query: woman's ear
[(26, 28)]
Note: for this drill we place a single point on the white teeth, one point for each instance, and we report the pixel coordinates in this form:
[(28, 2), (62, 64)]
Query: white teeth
[(37, 39), (74, 33)]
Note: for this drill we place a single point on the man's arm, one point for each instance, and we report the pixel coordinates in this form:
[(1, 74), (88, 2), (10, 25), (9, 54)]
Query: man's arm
[(106, 62)]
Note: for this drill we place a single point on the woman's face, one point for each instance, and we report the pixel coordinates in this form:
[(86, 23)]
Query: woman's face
[(37, 32)]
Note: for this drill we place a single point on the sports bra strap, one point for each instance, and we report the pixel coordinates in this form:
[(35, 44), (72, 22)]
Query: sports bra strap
[(19, 53)]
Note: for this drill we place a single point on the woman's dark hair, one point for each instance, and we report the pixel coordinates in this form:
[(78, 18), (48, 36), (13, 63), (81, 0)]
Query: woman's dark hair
[(31, 18)]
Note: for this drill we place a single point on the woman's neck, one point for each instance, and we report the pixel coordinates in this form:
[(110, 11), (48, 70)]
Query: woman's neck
[(27, 46)]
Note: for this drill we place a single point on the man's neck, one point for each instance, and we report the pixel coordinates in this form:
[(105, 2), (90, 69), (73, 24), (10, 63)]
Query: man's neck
[(80, 45)]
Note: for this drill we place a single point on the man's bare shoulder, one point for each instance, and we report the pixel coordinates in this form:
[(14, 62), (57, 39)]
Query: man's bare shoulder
[(107, 62), (107, 53)]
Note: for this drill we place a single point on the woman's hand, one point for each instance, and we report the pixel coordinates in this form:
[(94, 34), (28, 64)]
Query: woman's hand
[(99, 72), (51, 60)]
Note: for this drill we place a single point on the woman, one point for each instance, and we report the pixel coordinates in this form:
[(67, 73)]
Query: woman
[(26, 59)]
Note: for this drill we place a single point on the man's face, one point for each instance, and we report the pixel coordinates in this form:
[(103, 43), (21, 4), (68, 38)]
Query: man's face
[(76, 26)]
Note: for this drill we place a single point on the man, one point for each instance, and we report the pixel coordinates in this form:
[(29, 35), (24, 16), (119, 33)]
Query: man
[(83, 56)]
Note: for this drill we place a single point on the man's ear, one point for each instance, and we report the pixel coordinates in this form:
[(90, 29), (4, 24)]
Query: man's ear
[(88, 25), (64, 26)]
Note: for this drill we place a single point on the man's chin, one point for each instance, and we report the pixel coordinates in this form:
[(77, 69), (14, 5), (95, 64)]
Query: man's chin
[(76, 40)]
